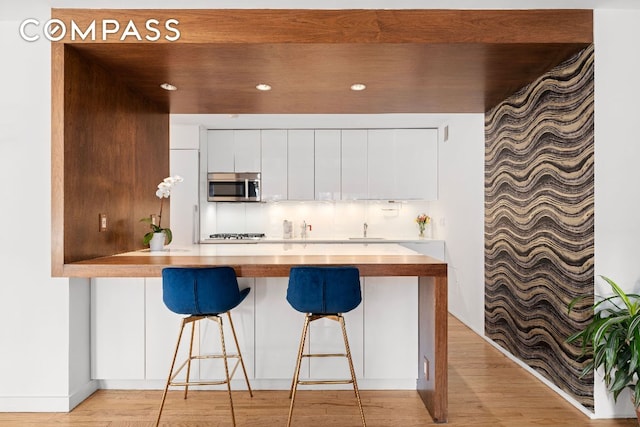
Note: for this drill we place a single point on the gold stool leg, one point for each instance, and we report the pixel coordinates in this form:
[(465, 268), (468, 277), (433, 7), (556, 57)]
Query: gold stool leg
[(296, 375), (186, 386), (353, 372), (173, 362), (235, 338), (226, 367)]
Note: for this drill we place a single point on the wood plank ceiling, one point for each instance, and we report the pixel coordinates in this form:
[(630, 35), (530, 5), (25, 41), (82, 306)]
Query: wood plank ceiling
[(412, 61)]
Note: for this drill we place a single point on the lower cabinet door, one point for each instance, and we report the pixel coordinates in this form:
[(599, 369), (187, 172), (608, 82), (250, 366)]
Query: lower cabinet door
[(117, 328), (278, 331), (391, 328)]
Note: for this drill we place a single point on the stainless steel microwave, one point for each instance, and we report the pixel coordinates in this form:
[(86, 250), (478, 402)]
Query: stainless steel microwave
[(233, 187)]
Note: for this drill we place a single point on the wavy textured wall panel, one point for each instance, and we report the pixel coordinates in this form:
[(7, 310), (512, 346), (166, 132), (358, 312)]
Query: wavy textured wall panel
[(539, 254)]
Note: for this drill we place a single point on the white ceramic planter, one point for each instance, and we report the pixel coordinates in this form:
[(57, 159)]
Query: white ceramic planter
[(157, 242)]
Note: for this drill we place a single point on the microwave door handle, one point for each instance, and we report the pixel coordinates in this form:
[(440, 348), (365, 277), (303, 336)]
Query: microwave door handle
[(246, 188)]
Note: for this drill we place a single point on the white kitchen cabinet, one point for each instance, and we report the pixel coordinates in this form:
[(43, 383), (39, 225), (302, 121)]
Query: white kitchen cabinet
[(233, 151), (325, 336), (274, 164), (162, 328), (184, 197), (243, 321), (381, 163), (278, 330), (117, 328), (133, 335), (327, 164), (403, 164), (247, 150), (220, 151), (354, 164), (416, 168), (391, 332), (300, 165)]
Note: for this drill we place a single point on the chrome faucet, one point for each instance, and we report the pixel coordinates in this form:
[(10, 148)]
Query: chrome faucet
[(303, 229), (364, 229)]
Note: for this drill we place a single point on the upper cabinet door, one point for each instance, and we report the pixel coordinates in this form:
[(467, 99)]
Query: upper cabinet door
[(382, 163), (274, 164), (300, 164), (327, 164), (403, 164), (354, 164), (416, 170), (220, 151), (233, 151), (247, 150)]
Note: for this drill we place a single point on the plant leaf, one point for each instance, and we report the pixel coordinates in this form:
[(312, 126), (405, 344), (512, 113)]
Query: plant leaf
[(620, 293), (147, 238)]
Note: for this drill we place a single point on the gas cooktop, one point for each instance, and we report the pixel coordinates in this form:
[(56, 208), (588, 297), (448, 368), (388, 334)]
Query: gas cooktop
[(236, 236)]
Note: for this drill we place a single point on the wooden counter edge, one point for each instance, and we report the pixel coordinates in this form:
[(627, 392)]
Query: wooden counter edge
[(256, 266)]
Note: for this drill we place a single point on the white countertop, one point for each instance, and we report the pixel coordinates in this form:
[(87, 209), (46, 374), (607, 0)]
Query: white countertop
[(278, 249), (314, 240)]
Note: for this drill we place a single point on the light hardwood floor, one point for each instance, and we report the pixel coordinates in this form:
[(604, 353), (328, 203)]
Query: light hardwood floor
[(485, 389)]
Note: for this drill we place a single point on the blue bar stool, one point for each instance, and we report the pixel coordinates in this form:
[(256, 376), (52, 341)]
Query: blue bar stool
[(203, 293), (324, 292)]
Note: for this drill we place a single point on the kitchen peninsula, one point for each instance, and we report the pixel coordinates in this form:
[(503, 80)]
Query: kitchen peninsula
[(386, 270)]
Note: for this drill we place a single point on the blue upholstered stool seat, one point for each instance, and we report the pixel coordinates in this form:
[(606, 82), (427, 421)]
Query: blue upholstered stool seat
[(203, 293), (324, 293), (323, 290)]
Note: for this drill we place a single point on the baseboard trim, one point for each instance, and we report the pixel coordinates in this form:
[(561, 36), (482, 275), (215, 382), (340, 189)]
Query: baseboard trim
[(263, 384), (80, 395), (47, 403)]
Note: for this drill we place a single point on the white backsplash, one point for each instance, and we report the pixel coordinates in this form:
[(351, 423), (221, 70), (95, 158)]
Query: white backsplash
[(327, 219)]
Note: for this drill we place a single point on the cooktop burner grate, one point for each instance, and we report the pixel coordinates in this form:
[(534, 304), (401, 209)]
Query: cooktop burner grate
[(237, 236)]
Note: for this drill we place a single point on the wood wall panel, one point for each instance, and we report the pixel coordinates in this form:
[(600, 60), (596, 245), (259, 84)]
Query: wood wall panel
[(412, 61), (346, 25), (539, 207), (116, 151)]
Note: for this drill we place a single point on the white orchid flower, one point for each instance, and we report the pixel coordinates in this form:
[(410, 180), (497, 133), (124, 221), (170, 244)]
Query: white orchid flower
[(173, 179), (163, 192)]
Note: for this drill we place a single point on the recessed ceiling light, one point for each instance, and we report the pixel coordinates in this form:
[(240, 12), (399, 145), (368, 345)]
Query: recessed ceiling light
[(167, 86), (263, 86), (358, 86)]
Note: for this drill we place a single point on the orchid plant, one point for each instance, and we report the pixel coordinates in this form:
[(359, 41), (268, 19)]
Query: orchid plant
[(163, 192)]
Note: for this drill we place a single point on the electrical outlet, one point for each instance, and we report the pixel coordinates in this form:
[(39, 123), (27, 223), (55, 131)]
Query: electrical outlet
[(426, 369), (102, 222)]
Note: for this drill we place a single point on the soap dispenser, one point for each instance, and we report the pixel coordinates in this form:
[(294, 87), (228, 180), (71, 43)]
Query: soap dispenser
[(287, 229)]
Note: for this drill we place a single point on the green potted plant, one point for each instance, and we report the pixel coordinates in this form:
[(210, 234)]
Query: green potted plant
[(612, 341), (158, 236)]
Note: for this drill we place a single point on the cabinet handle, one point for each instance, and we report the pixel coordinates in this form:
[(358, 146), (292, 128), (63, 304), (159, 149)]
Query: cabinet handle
[(196, 225)]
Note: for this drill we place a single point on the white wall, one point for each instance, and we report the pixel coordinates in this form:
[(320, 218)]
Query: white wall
[(617, 170), (459, 216), (35, 309)]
